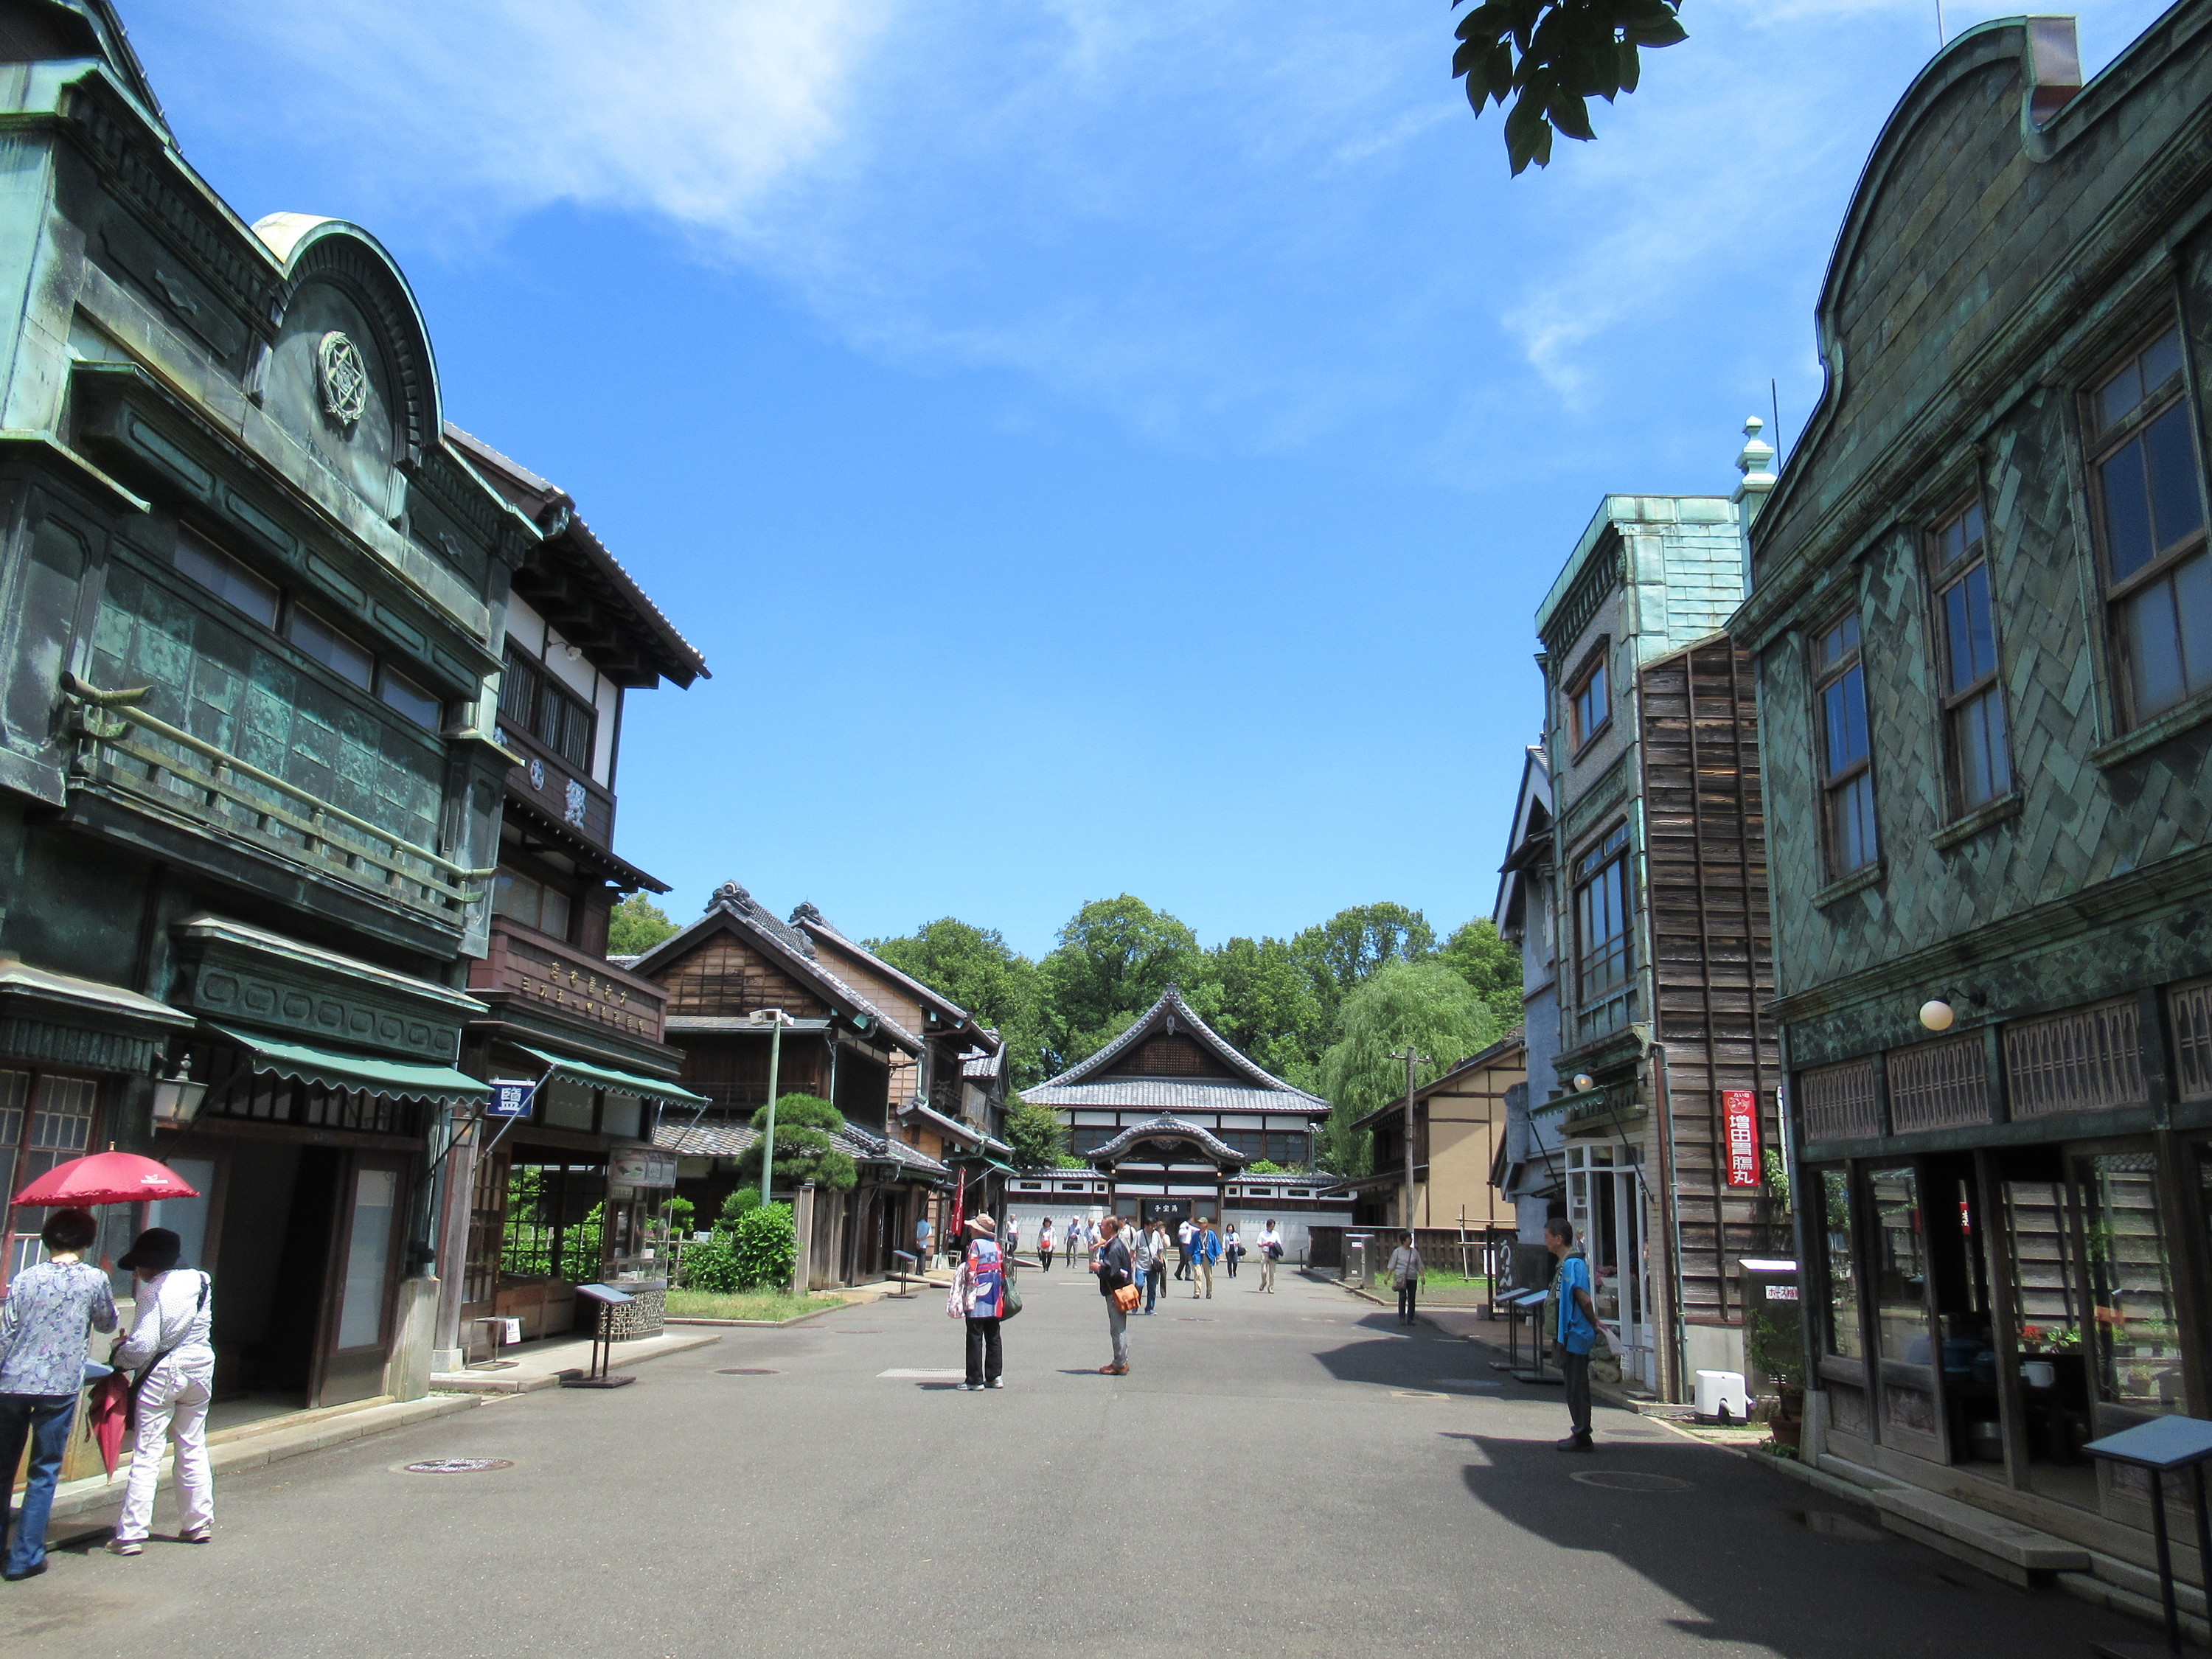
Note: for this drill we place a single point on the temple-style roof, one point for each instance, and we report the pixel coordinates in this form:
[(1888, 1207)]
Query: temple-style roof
[(1173, 1059), (1166, 1126)]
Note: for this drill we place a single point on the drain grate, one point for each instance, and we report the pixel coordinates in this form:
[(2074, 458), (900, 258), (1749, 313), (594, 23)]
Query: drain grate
[(456, 1465), (743, 1371)]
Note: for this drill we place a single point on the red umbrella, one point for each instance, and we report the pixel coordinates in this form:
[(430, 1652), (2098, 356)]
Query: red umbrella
[(105, 1178), (109, 1416)]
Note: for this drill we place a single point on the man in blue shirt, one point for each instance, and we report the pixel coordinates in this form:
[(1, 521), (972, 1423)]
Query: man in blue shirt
[(1577, 1330)]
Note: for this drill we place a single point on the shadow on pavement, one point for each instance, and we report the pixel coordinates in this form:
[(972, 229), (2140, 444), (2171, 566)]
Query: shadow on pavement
[(1392, 1354), (1765, 1562)]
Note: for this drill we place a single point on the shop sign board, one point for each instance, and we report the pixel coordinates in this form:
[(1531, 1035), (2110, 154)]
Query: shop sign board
[(510, 1098), (1740, 1115), (631, 1170)]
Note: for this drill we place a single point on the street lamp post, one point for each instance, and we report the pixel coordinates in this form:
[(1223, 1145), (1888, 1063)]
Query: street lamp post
[(1413, 1057), (776, 1019)]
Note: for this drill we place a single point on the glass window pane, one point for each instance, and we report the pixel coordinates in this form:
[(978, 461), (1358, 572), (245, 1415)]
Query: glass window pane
[(1981, 626), (412, 700), (2176, 506), (1844, 1336), (2160, 361), (2154, 648), (517, 897), (1900, 1268), (226, 578), (553, 913), (2127, 510), (2041, 1232), (330, 647), (2135, 1337), (1958, 639), (2192, 599), (2119, 396), (368, 1252)]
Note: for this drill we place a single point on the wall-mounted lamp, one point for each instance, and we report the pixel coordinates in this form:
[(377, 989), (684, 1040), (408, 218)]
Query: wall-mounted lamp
[(1584, 1083), (1936, 1014), (177, 1099)]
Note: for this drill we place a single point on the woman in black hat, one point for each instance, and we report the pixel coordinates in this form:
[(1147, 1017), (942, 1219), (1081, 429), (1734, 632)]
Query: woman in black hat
[(175, 1362)]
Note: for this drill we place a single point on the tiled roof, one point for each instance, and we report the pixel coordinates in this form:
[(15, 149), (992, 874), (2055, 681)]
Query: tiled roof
[(1166, 1124), (983, 1066), (735, 1139), (1170, 1094), (732, 904), (811, 921), (1171, 1013)]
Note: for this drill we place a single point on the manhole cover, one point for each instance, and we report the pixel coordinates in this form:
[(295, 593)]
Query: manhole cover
[(456, 1465), (743, 1371), (1629, 1480)]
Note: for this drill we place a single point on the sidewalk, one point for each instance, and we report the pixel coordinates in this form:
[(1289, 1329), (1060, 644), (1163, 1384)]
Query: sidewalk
[(539, 1365)]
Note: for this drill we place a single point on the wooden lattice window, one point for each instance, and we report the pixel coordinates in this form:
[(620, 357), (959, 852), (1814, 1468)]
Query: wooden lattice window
[(45, 1121), (2085, 1060), (1939, 1085), (2190, 1008), (1839, 1103)]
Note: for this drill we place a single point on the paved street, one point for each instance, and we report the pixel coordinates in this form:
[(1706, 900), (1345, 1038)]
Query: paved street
[(1279, 1476)]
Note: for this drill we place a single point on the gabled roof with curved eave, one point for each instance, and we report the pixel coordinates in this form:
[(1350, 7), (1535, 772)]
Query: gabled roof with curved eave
[(1172, 1016), (1165, 1126)]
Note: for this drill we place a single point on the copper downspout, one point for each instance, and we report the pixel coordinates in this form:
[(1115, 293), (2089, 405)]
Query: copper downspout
[(1665, 1283)]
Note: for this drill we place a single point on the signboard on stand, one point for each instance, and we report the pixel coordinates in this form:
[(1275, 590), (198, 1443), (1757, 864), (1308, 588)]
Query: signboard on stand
[(1740, 1120)]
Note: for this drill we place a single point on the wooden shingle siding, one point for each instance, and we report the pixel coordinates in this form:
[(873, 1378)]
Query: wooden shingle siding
[(1711, 950), (726, 978)]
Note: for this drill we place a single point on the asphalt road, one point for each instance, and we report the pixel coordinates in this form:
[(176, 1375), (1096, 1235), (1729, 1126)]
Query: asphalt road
[(1277, 1476)]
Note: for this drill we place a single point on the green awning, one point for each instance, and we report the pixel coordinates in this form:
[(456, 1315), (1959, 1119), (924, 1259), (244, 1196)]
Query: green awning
[(334, 1070), (627, 1082), (1003, 1168)]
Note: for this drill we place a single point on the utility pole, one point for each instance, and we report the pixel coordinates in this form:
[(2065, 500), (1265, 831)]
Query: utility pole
[(1413, 1057), (776, 1019)]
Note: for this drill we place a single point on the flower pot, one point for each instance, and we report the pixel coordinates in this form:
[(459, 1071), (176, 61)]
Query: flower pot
[(1786, 1431)]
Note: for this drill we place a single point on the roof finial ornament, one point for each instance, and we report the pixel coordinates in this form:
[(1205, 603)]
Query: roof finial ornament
[(806, 912), (1756, 463), (731, 896)]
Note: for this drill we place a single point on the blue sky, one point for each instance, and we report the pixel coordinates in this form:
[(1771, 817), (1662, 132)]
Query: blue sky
[(1097, 449)]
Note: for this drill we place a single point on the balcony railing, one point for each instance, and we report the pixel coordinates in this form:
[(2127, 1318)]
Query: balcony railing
[(131, 754), (548, 781)]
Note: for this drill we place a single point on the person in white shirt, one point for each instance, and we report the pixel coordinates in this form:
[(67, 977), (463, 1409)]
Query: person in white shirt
[(1011, 1238), (1155, 1281), (1406, 1275), (1231, 1249), (1045, 1244), (1184, 1230), (170, 1341), (1271, 1252)]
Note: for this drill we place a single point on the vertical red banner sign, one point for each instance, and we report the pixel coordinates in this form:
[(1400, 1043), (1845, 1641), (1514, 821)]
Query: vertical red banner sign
[(1740, 1115)]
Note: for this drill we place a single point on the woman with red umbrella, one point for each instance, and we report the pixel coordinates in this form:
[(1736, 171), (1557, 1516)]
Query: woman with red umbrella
[(46, 1323)]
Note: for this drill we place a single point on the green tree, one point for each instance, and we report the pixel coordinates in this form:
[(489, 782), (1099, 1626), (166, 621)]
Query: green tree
[(1552, 57), (1036, 1134), (805, 1147), (1423, 1002), (1115, 957), (1256, 993), (1344, 953), (980, 971), (1491, 965), (636, 924)]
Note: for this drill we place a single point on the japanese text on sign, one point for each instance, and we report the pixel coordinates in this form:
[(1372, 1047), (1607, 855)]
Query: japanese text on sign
[(1740, 1115)]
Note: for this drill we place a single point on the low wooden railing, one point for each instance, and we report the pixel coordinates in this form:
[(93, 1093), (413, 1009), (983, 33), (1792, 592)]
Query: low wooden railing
[(239, 798)]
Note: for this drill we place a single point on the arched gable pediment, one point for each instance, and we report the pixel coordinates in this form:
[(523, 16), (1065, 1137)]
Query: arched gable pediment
[(340, 282)]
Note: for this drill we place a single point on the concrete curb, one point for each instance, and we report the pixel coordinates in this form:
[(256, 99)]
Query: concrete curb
[(251, 1448), (757, 1324)]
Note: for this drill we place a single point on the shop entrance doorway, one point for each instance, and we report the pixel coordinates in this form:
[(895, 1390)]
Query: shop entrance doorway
[(1605, 1205)]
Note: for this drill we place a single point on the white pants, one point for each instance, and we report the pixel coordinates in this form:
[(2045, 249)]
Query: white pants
[(173, 1400)]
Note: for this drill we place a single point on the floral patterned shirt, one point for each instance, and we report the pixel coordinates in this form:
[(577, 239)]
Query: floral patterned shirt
[(46, 1324)]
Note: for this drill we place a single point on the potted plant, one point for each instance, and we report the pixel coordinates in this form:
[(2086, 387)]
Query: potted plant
[(1772, 1349)]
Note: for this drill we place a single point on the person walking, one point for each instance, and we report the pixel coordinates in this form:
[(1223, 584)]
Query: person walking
[(1231, 1248), (1044, 1246), (1116, 1273), (1406, 1275), (1576, 1330), (1205, 1251), (978, 1293), (1139, 1241), (1157, 1277), (922, 1234), (46, 1323), (1010, 1241), (1183, 1231), (169, 1348), (1271, 1252)]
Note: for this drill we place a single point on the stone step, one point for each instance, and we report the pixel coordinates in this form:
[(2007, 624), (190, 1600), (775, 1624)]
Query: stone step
[(2098, 1588), (2144, 1581), (2005, 1548)]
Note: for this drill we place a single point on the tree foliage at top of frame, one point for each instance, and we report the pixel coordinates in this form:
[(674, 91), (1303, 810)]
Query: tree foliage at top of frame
[(1551, 57)]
